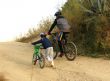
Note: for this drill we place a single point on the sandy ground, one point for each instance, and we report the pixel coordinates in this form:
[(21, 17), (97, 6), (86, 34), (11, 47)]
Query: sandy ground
[(15, 65)]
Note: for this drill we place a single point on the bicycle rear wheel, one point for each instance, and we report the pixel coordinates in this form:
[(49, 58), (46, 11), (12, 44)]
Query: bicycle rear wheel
[(41, 61), (70, 51)]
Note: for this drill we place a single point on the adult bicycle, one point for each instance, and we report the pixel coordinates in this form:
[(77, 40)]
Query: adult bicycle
[(69, 48), (38, 57)]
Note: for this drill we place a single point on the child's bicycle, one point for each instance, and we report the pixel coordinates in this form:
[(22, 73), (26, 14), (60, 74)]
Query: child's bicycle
[(69, 48), (38, 57)]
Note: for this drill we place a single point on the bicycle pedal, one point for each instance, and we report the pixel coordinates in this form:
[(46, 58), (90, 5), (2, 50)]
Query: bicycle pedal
[(34, 62)]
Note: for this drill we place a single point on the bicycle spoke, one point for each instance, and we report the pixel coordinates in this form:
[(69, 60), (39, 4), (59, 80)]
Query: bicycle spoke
[(70, 51), (41, 61)]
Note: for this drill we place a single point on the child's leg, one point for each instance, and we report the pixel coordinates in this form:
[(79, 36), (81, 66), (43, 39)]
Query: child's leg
[(46, 53), (47, 57), (49, 53)]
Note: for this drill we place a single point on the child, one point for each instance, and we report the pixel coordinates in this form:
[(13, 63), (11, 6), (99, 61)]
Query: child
[(47, 46)]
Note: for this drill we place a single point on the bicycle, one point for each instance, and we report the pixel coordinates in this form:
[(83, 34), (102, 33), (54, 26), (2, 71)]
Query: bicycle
[(69, 47), (38, 56)]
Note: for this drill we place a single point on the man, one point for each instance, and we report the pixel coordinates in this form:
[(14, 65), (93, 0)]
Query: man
[(63, 29)]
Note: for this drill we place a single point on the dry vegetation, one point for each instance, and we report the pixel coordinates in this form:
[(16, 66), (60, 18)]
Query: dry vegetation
[(33, 34)]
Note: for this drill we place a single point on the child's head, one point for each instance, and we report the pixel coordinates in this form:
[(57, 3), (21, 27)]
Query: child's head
[(42, 35)]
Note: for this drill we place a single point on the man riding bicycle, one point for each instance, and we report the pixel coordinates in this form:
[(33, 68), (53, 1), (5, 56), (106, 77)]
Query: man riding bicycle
[(63, 29)]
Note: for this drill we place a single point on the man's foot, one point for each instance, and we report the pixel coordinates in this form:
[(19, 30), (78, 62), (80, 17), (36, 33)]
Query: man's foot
[(61, 55)]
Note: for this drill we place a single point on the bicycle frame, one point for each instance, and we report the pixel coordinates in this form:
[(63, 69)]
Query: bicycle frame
[(37, 49), (55, 39)]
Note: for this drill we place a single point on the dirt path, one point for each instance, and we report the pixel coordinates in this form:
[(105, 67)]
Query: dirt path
[(15, 64)]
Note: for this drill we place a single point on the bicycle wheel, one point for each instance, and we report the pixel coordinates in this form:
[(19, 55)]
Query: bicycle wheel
[(70, 51), (41, 60), (55, 50), (34, 59)]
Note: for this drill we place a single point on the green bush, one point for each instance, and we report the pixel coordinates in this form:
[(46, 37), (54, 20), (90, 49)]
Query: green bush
[(88, 19)]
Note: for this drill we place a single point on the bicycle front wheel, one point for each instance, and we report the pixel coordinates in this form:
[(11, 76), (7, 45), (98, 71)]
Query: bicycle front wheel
[(34, 59), (70, 51), (41, 61), (55, 50)]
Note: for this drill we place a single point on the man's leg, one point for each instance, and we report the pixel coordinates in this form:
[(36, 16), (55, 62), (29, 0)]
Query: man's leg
[(65, 36), (60, 44)]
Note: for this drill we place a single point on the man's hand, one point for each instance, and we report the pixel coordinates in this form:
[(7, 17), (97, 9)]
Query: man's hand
[(49, 33)]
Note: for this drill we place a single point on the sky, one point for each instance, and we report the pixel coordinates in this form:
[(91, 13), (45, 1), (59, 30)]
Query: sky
[(18, 16)]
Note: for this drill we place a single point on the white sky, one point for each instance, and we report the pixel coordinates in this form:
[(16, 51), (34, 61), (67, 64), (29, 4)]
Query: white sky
[(17, 16)]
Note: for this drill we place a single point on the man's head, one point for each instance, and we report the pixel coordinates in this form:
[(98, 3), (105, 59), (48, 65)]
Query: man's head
[(57, 14), (42, 35)]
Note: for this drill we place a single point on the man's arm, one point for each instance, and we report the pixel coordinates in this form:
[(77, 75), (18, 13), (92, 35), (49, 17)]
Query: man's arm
[(53, 25), (37, 42)]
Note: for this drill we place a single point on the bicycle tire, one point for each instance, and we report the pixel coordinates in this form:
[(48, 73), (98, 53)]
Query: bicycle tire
[(55, 50), (34, 59), (41, 61), (70, 51), (55, 55)]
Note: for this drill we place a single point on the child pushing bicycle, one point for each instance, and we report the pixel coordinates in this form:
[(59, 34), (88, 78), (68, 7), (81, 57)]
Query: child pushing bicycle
[(47, 45)]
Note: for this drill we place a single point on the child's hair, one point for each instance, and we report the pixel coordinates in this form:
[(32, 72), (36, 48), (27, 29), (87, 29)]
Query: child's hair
[(42, 35)]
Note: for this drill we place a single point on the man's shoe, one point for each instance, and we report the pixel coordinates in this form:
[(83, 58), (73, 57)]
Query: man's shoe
[(61, 55)]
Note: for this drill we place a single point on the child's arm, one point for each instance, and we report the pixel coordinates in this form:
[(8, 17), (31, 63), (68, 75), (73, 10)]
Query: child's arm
[(37, 42)]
